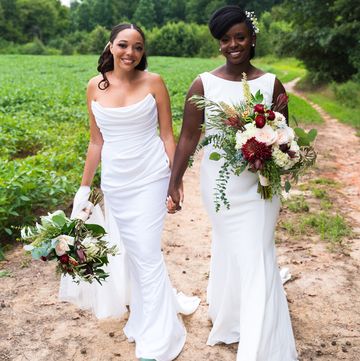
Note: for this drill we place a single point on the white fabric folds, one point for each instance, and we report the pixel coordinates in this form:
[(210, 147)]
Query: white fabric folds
[(134, 179), (247, 303)]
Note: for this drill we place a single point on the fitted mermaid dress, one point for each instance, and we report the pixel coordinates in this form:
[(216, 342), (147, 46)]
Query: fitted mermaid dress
[(247, 303), (134, 179)]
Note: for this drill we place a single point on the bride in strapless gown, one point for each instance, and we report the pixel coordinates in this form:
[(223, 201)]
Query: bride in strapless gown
[(134, 179)]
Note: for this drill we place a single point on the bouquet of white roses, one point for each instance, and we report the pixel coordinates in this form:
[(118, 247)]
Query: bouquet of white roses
[(252, 136), (78, 247)]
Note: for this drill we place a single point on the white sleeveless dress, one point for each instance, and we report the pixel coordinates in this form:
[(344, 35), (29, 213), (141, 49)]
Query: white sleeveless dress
[(134, 179), (247, 303)]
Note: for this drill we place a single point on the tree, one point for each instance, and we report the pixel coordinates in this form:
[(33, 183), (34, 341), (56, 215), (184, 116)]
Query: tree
[(174, 11), (326, 37), (10, 28), (83, 16), (145, 14), (98, 39)]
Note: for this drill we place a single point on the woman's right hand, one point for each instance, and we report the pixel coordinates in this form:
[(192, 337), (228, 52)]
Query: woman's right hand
[(81, 200)]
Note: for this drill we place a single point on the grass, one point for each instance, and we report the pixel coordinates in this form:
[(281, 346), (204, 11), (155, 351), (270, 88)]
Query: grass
[(316, 214), (297, 204), (286, 69), (336, 109), (302, 112), (5, 273), (333, 228), (340, 101)]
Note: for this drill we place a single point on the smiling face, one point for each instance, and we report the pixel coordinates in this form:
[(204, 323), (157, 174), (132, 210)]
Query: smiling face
[(127, 49), (236, 44)]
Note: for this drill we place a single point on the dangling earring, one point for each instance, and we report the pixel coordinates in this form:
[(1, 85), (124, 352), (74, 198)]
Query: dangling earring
[(253, 45), (219, 49)]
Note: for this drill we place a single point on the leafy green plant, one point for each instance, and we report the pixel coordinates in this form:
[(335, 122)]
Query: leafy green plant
[(297, 204)]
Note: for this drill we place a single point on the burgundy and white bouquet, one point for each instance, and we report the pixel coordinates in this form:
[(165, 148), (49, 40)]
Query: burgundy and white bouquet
[(79, 248), (252, 136)]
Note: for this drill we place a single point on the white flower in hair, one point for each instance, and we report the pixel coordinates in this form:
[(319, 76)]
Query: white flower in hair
[(254, 21)]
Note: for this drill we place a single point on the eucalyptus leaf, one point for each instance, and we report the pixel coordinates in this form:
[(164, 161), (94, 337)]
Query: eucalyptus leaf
[(312, 135), (215, 156), (96, 229), (287, 186), (59, 219)]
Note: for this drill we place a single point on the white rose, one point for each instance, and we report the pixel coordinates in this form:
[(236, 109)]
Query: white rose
[(68, 239), (61, 247), (243, 137), (90, 245), (279, 120), (266, 135), (285, 135)]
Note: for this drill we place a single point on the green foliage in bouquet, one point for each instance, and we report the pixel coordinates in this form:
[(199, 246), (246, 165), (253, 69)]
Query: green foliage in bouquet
[(78, 247), (249, 135)]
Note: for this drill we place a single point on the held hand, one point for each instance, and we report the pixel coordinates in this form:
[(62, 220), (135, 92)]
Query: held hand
[(174, 199), (80, 200)]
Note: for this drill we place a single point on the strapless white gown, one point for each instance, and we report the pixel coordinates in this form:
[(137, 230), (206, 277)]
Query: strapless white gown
[(134, 179), (247, 303)]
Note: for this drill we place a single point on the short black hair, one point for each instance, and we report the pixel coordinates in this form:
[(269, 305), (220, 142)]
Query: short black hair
[(227, 16)]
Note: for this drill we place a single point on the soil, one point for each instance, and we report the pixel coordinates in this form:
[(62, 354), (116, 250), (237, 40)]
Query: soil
[(323, 294)]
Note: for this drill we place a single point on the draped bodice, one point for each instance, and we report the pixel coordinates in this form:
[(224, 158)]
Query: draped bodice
[(133, 154), (136, 122)]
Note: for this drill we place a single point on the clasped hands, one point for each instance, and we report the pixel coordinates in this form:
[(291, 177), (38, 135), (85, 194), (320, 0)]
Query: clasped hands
[(174, 199)]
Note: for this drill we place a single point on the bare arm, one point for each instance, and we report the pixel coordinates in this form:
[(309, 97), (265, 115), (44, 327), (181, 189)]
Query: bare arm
[(93, 155), (279, 89), (189, 138), (164, 115)]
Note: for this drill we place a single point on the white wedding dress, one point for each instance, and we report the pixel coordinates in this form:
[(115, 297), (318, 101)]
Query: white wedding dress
[(134, 179), (247, 303)]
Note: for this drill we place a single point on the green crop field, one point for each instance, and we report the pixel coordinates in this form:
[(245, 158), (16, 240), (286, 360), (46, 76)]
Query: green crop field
[(44, 126)]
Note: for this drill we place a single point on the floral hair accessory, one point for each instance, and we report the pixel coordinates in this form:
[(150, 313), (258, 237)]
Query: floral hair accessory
[(253, 19)]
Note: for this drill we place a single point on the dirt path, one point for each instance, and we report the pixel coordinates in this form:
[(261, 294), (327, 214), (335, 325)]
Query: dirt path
[(324, 295)]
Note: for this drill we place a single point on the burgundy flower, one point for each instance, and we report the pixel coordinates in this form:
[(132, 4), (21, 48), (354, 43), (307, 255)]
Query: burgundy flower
[(270, 115), (256, 153), (259, 108), (285, 148), (260, 121), (64, 258), (281, 102)]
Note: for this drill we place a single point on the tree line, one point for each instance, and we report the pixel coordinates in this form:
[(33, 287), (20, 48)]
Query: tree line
[(324, 34), (21, 20)]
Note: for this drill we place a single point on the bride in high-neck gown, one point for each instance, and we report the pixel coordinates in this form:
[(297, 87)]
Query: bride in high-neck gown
[(126, 106)]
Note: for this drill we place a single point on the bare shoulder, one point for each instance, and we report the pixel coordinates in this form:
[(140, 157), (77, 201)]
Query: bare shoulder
[(153, 78), (196, 87), (93, 82)]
